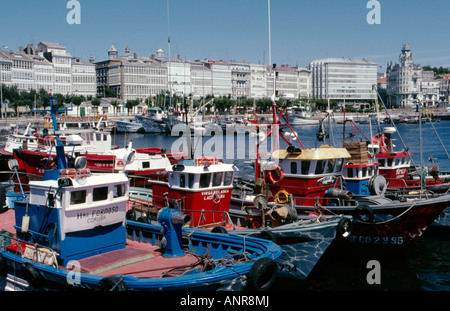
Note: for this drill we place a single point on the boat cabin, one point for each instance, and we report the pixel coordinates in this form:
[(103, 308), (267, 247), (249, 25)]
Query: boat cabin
[(394, 165), (202, 187), (16, 141), (306, 174), (154, 113), (76, 213)]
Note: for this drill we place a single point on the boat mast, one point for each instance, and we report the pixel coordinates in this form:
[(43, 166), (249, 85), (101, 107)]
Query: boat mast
[(422, 177)]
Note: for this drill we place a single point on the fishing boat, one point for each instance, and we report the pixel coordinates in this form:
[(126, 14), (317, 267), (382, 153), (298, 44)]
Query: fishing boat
[(152, 120), (300, 116), (145, 163), (313, 178), (391, 219), (71, 233), (201, 188), (128, 126)]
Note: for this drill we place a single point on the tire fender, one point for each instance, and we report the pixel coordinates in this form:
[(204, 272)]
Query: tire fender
[(344, 229), (363, 214), (262, 274)]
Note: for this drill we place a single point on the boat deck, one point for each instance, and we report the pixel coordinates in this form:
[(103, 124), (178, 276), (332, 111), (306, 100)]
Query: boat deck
[(138, 260), (7, 222)]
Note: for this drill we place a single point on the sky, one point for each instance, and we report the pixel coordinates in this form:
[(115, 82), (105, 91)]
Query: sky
[(301, 30)]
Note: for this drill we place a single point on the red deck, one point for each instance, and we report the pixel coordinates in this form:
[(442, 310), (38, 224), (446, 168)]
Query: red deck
[(137, 259)]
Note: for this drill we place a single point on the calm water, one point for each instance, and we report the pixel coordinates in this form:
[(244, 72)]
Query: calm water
[(425, 267)]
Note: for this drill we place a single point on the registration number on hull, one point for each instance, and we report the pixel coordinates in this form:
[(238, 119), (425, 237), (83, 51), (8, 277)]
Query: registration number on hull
[(382, 240)]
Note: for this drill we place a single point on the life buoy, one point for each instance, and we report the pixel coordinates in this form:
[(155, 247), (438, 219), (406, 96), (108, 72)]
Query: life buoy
[(262, 274), (111, 284), (30, 274), (380, 140), (278, 195), (216, 198), (344, 229), (276, 181), (363, 214)]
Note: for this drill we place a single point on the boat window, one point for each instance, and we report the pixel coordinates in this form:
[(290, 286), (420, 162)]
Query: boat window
[(320, 166), (338, 167), (389, 163), (78, 197), (146, 164), (118, 191), (191, 180), (330, 166), (228, 178), (350, 172), (100, 194), (182, 180), (205, 179), (217, 179), (382, 162), (305, 167), (293, 167), (364, 172)]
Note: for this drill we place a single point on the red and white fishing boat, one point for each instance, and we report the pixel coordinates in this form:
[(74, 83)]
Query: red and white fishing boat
[(395, 166), (312, 177)]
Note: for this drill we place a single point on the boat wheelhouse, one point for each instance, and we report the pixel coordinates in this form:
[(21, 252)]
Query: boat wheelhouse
[(305, 174), (200, 185), (361, 173), (394, 165)]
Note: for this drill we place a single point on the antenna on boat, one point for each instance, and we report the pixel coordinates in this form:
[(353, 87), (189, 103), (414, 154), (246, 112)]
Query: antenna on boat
[(60, 155)]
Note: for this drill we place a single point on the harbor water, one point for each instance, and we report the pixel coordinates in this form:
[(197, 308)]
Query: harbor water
[(425, 267)]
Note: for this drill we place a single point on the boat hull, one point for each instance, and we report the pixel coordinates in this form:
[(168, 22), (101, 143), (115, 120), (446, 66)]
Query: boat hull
[(152, 126), (302, 244), (395, 224)]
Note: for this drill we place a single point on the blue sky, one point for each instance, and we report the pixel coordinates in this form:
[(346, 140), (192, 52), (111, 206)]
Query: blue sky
[(301, 30)]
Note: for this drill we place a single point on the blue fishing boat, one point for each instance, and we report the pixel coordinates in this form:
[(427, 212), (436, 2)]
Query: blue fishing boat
[(71, 233)]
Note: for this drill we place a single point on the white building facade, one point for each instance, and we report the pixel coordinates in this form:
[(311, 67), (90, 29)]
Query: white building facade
[(343, 79), (404, 80), (83, 78)]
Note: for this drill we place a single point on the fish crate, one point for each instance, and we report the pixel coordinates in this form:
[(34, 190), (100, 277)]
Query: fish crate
[(358, 151)]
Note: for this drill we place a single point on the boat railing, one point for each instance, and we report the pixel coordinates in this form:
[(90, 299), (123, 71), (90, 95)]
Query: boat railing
[(144, 204), (35, 252), (222, 220)]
